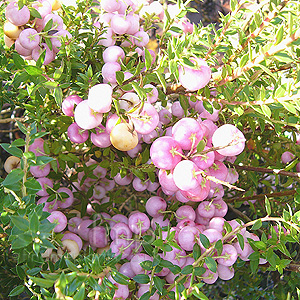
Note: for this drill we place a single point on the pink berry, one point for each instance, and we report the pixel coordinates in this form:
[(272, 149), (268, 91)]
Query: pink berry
[(196, 78)]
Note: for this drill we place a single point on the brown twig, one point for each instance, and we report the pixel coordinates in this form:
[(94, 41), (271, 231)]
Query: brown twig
[(9, 130), (8, 120), (266, 170), (261, 196)]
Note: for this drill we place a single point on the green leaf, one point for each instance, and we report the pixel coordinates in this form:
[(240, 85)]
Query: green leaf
[(58, 95), (50, 84), (279, 35), (34, 13), (159, 283), (201, 145), (257, 225), (20, 222), (254, 265), (147, 265), (187, 270), (196, 251), (141, 278), (233, 5), (119, 77), (17, 291), (58, 72), (283, 57), (145, 296), (161, 80), (21, 127), (48, 26), (184, 102), (18, 143), (33, 71), (244, 60), (13, 177), (268, 206), (45, 283), (288, 106), (33, 271), (42, 160), (12, 150), (219, 247), (120, 278), (241, 240), (34, 223), (80, 295), (148, 59), (18, 61), (266, 110), (33, 185), (141, 93), (211, 264), (204, 241), (21, 241), (188, 62)]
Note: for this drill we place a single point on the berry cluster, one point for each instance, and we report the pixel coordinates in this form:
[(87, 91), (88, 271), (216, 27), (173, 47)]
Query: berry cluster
[(35, 29), (186, 146)]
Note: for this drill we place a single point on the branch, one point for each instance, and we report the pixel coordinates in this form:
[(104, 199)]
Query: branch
[(8, 120), (261, 196), (255, 33), (266, 170), (259, 58), (221, 36)]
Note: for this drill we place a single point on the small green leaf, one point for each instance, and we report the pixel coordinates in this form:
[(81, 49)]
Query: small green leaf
[(18, 143), (13, 177), (17, 291), (34, 222), (233, 5), (204, 241), (58, 95), (119, 77), (187, 270), (268, 206), (34, 13), (279, 35), (159, 284), (257, 225), (145, 296), (45, 283), (241, 240), (70, 265), (211, 264), (12, 150), (196, 251), (162, 80), (48, 26), (80, 295), (148, 59), (201, 145), (32, 185), (188, 62), (18, 61), (266, 110), (219, 247), (141, 278), (20, 222), (197, 293), (33, 71), (120, 278)]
